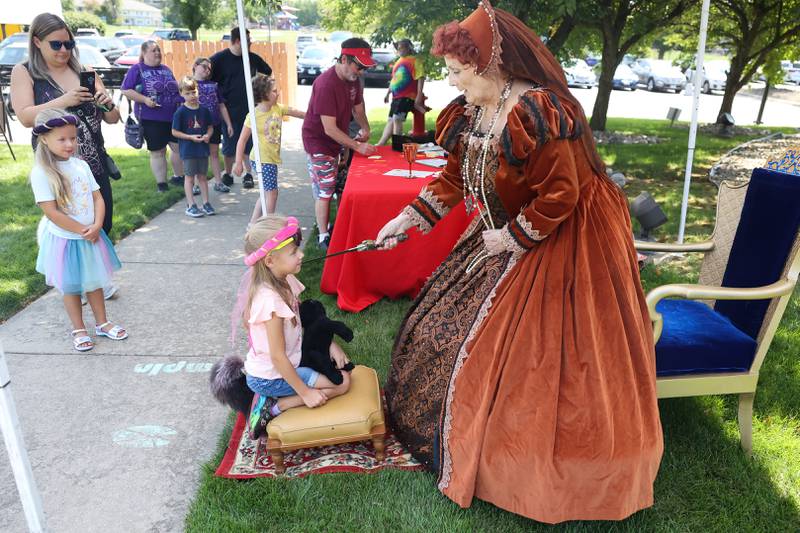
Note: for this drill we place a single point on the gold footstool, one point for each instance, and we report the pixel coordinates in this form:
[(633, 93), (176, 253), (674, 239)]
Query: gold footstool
[(354, 416)]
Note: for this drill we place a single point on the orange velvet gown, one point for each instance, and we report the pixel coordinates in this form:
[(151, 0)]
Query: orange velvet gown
[(529, 382)]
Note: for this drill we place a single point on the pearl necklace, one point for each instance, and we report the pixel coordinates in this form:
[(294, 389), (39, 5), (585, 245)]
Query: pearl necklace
[(474, 189)]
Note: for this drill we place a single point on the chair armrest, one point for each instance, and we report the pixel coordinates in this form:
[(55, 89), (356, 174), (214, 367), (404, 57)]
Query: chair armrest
[(645, 246), (707, 292)]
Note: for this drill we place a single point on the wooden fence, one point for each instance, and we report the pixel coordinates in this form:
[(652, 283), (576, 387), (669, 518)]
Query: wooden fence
[(180, 55)]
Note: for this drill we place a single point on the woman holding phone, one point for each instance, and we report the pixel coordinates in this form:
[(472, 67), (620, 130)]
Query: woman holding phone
[(51, 78), (154, 89)]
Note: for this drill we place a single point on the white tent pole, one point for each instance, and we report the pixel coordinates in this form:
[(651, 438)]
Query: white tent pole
[(698, 83), (12, 434), (248, 85)]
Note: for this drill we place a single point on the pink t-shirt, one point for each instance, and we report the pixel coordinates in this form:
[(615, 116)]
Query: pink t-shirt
[(267, 302), (330, 96)]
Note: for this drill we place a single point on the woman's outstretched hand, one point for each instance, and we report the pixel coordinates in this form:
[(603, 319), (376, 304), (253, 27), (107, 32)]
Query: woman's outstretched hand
[(399, 224)]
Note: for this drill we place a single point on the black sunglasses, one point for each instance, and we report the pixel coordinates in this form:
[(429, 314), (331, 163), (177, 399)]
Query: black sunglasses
[(56, 45), (358, 65)]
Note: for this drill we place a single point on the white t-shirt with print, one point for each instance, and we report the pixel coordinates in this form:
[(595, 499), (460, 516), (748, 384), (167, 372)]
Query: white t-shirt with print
[(81, 185)]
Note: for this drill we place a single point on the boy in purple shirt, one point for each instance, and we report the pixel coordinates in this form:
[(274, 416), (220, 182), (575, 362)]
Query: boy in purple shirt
[(336, 96)]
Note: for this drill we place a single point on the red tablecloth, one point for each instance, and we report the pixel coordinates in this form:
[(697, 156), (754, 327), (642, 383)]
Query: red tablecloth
[(371, 199)]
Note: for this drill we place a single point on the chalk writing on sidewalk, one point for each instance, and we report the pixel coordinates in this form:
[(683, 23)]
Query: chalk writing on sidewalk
[(151, 369), (144, 436)]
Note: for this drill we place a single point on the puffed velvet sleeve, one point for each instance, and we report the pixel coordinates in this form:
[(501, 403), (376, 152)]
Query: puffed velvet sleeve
[(445, 191), (539, 138)]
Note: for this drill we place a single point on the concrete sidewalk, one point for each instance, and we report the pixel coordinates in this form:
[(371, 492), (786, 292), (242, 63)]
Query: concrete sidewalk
[(117, 436)]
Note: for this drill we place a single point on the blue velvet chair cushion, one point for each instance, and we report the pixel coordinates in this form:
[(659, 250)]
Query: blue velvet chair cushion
[(696, 340), (764, 237)]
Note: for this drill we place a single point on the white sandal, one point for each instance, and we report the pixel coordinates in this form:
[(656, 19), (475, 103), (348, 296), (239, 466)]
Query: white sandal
[(83, 339), (113, 334)]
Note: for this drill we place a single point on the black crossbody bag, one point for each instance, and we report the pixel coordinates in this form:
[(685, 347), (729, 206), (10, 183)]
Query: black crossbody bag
[(111, 166)]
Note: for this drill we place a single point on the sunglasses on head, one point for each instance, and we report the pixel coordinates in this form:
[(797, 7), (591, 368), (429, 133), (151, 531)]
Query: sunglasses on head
[(56, 45), (295, 239)]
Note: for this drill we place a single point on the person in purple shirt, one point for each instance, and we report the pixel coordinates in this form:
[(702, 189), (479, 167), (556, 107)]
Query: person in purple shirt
[(336, 97), (211, 98), (153, 88)]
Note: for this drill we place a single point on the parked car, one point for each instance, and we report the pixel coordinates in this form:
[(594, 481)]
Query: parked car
[(793, 76), (87, 32), (337, 37), (579, 74), (304, 41), (20, 37), (314, 61), (381, 73), (18, 53), (134, 40), (624, 78), (123, 33), (659, 75), (130, 58), (172, 34), (110, 47), (715, 75)]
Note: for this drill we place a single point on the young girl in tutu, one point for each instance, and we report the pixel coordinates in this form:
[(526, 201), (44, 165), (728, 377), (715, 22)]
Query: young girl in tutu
[(75, 254), (269, 306)]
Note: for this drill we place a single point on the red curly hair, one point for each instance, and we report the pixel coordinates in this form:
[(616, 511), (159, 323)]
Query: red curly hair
[(453, 40)]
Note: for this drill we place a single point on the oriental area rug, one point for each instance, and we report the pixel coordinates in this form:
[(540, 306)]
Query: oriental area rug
[(246, 458)]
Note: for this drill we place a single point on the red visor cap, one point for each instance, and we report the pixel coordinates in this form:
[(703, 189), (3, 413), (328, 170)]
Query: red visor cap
[(362, 55)]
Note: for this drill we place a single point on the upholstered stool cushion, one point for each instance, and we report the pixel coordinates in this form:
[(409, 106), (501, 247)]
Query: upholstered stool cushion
[(349, 417), (696, 339)]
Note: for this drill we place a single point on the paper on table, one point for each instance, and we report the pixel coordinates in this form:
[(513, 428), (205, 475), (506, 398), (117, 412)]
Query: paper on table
[(436, 162), (403, 173), (429, 147)]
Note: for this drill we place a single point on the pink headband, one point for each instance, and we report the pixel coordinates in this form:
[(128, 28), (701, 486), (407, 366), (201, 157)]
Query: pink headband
[(291, 228)]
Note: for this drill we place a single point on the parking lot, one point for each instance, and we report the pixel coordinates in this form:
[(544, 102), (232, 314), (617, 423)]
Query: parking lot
[(626, 104)]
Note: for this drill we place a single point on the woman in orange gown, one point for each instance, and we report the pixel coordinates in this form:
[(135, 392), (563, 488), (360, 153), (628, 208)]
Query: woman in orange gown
[(524, 372)]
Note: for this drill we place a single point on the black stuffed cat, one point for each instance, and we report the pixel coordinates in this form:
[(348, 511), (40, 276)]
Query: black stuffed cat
[(318, 332)]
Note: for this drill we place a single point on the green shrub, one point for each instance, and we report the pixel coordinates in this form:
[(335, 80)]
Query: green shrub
[(81, 19)]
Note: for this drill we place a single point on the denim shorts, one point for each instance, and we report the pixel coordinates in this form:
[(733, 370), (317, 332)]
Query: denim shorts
[(278, 388)]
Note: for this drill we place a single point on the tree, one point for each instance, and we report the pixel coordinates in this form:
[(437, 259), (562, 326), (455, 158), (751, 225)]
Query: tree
[(757, 32), (308, 12), (622, 25), (82, 19), (192, 13), (109, 10)]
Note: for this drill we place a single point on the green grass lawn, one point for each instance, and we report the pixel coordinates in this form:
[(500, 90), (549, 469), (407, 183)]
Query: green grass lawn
[(135, 202), (705, 483)]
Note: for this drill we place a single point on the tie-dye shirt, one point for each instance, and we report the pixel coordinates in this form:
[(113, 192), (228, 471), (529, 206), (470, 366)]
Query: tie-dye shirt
[(405, 73)]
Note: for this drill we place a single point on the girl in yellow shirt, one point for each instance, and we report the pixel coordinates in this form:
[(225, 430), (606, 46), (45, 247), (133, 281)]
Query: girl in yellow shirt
[(269, 118)]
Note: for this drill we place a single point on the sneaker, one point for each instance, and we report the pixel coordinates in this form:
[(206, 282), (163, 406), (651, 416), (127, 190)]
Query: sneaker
[(227, 180), (162, 187), (195, 190), (260, 415), (324, 243), (176, 180), (193, 212), (208, 210), (247, 181), (221, 187)]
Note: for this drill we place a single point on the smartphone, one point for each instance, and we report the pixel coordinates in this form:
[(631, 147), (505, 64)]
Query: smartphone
[(88, 80)]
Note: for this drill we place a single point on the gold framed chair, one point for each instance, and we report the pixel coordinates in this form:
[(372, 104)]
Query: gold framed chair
[(749, 271)]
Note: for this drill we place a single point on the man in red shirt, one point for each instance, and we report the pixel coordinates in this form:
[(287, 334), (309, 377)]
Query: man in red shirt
[(336, 97)]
